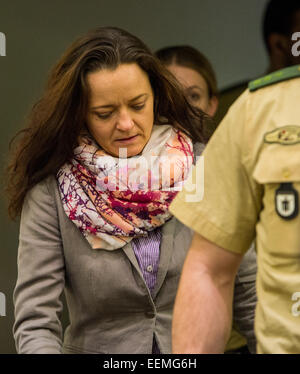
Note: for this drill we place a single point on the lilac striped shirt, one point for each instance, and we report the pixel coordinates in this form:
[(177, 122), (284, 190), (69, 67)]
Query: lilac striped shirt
[(147, 250)]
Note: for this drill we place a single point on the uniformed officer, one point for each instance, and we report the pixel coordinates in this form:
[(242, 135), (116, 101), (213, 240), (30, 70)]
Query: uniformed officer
[(251, 188), (280, 21)]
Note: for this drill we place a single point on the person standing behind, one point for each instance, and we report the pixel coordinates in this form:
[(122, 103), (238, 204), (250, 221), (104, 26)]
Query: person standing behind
[(281, 19), (195, 73), (198, 79)]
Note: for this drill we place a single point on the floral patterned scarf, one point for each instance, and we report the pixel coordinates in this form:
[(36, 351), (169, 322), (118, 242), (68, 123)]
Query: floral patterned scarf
[(112, 200)]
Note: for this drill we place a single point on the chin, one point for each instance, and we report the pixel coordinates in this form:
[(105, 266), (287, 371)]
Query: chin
[(133, 150)]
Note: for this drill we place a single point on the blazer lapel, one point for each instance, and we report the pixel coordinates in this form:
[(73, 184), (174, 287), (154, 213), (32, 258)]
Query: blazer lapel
[(166, 249), (131, 256)]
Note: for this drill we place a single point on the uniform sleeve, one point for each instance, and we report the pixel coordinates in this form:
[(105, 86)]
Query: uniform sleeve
[(40, 283), (244, 302), (218, 200)]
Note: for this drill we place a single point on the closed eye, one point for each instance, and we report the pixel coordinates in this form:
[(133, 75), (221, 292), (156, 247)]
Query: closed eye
[(103, 115), (194, 96), (138, 106)]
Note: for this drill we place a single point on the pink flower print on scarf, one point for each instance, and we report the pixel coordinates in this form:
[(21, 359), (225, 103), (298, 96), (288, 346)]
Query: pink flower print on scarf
[(110, 211)]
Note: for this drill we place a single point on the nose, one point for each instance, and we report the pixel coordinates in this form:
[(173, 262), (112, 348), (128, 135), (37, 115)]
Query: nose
[(124, 121)]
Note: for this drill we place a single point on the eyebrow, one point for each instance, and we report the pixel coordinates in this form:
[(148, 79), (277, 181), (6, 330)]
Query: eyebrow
[(195, 86), (111, 105)]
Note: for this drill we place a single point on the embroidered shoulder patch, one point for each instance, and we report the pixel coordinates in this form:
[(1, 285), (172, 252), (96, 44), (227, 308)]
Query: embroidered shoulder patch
[(285, 135)]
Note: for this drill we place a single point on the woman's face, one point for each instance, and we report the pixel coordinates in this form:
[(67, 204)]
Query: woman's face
[(195, 88), (120, 112)]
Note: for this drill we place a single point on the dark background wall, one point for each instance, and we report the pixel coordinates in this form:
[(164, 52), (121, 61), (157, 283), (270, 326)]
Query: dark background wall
[(37, 32)]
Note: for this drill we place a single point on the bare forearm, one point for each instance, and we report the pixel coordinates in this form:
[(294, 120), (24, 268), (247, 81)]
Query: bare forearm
[(203, 308), (202, 320)]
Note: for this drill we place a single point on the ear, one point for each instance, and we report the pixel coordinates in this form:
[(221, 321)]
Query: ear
[(213, 106), (279, 45)]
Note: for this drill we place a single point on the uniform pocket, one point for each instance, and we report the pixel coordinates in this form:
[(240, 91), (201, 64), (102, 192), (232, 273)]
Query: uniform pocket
[(278, 164), (278, 171)]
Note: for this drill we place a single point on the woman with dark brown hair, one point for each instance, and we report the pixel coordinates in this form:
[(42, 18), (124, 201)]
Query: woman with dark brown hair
[(105, 151), (195, 73)]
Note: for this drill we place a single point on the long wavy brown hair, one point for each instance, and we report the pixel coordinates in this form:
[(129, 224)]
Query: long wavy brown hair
[(55, 121)]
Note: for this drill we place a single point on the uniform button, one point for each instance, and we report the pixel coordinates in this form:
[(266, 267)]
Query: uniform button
[(150, 268)]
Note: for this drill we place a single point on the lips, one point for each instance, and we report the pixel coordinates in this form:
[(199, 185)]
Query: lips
[(126, 139)]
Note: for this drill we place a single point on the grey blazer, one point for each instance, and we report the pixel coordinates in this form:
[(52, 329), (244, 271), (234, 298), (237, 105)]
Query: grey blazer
[(110, 306)]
